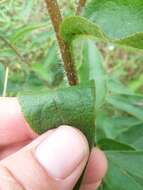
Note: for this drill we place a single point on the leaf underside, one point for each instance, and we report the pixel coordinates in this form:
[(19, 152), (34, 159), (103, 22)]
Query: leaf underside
[(119, 22), (74, 106)]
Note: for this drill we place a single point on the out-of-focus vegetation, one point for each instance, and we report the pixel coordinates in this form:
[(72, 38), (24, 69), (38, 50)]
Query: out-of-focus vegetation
[(28, 50)]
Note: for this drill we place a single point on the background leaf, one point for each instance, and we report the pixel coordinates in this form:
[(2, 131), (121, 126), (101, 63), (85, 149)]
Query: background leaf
[(90, 67), (125, 171), (115, 21), (130, 106)]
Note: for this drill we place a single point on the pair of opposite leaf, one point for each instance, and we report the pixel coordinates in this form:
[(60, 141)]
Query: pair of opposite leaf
[(117, 21), (120, 22)]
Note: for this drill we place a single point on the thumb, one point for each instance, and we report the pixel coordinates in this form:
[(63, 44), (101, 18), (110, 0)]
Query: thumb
[(54, 161)]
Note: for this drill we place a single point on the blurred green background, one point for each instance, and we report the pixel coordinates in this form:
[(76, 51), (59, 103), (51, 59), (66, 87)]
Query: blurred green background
[(29, 53)]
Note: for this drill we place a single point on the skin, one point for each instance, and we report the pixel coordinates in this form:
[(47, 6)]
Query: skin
[(20, 167)]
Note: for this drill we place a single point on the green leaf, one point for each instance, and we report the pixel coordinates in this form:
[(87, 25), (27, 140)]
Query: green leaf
[(130, 104), (117, 21), (40, 70), (76, 26), (111, 127), (23, 31), (42, 38), (50, 69), (116, 87), (91, 68), (125, 171), (73, 106), (110, 144), (136, 84), (70, 106), (133, 136)]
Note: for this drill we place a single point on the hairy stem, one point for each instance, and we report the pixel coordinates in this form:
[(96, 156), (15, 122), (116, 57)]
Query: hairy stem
[(81, 4), (56, 19)]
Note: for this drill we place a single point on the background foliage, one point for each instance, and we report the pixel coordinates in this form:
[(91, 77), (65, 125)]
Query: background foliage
[(28, 48)]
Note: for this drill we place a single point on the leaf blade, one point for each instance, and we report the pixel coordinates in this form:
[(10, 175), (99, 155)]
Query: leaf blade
[(113, 21)]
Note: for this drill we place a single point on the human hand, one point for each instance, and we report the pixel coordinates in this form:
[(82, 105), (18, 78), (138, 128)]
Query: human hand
[(52, 161)]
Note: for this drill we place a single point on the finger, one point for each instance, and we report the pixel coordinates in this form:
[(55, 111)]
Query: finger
[(13, 127), (95, 171), (8, 150), (54, 161)]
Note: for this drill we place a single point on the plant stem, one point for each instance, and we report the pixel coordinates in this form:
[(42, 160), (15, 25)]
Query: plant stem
[(81, 4), (5, 81), (56, 18), (13, 47)]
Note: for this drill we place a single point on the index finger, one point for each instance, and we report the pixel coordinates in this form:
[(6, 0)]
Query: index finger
[(13, 127)]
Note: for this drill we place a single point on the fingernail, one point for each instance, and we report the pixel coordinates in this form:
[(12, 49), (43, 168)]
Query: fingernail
[(62, 152)]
